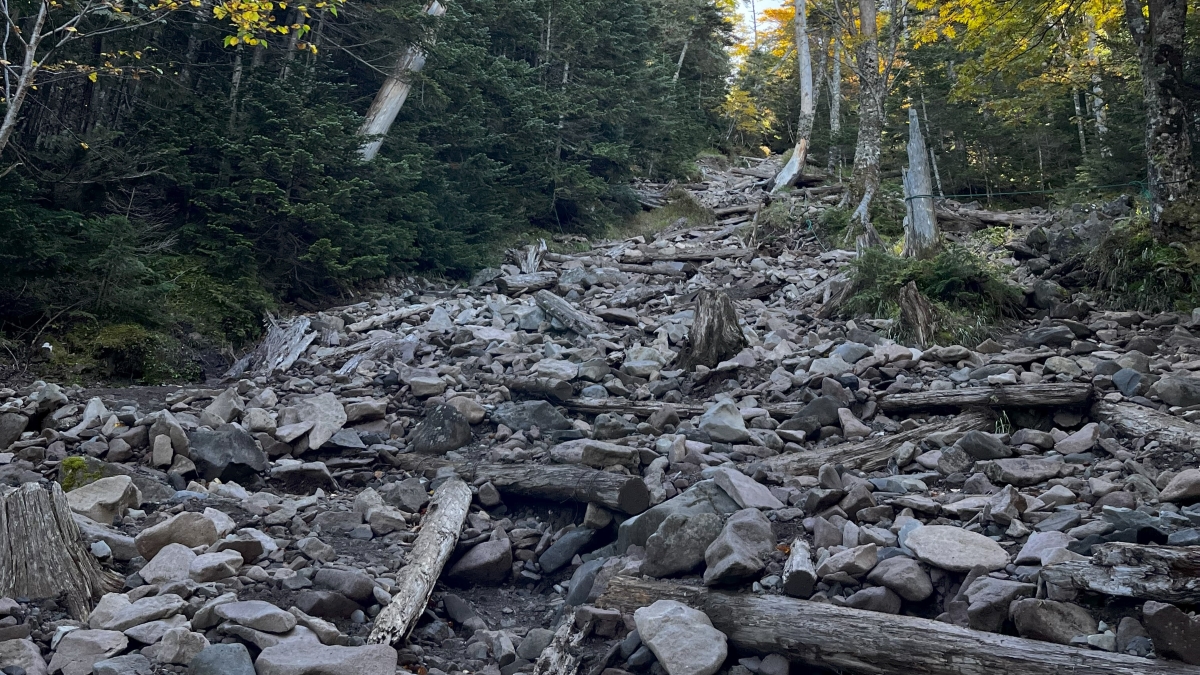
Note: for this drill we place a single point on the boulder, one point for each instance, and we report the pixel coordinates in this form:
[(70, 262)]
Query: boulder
[(310, 658), (187, 528), (79, 650), (904, 576), (222, 659), (229, 453), (748, 493), (326, 414), (703, 497), (116, 612), (487, 564), (1174, 390), (23, 654), (257, 614), (443, 429), (955, 549), (1172, 632), (723, 423), (525, 415), (989, 599), (105, 499), (679, 543), (683, 639), (1051, 621), (739, 552), (1184, 487)]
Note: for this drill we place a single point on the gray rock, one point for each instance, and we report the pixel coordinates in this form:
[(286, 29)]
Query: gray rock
[(1041, 543), (215, 566), (525, 415), (981, 445), (1049, 336), (1021, 471), (851, 352), (327, 415), (682, 638), (610, 427), (854, 562), (830, 367), (562, 551), (187, 528), (229, 453), (408, 494), (536, 640), (955, 549), (1129, 630), (317, 659), (130, 664), (904, 576), (222, 659), (703, 497), (1172, 632), (351, 583), (679, 543), (989, 599), (172, 563), (748, 493), (1051, 621), (115, 611), (1178, 390), (875, 599), (326, 604), (257, 614), (1184, 487), (178, 646), (443, 429), (580, 585), (303, 477), (12, 425), (22, 654), (105, 499), (470, 409), (738, 553), (723, 422), (487, 564), (79, 650), (1130, 382)]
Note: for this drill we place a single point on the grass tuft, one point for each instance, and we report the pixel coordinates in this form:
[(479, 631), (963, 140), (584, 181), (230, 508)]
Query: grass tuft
[(1132, 271)]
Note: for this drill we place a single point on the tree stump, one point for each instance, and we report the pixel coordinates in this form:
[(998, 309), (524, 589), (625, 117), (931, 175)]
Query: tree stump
[(917, 315), (715, 335), (41, 554)]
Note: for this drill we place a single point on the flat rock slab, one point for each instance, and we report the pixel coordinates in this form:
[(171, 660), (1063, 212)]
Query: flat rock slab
[(682, 638), (955, 549), (318, 659)]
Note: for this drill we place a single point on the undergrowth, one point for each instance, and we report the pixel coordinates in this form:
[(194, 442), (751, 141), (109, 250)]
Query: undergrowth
[(681, 204), (968, 293), (1132, 271)]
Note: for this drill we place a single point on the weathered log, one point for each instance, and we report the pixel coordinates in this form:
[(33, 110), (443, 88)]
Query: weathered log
[(546, 386), (636, 295), (386, 318), (799, 576), (552, 482), (41, 553), (779, 411), (285, 341), (861, 641), (517, 284), (917, 315), (563, 655), (823, 291), (659, 269), (1138, 421), (873, 453), (1145, 572), (715, 334), (699, 255), (739, 208), (415, 581), (529, 259), (921, 236), (573, 319), (1004, 396)]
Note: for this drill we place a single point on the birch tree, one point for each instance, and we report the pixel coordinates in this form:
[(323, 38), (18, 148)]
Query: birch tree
[(795, 166)]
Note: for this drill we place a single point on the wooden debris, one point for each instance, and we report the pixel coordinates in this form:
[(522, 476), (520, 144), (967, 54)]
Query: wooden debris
[(415, 581), (389, 317), (563, 655), (917, 315), (1142, 571), (568, 316), (855, 640), (715, 334), (1004, 396), (1138, 421), (519, 284), (799, 576)]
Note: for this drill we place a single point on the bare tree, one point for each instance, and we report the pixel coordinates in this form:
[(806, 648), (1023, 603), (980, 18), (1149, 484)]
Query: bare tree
[(795, 166)]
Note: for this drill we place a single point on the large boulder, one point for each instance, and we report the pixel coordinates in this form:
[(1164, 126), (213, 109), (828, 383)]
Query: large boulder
[(1178, 390), (682, 638), (12, 425), (904, 576), (79, 650), (679, 543), (327, 415), (1172, 632), (229, 453), (525, 415), (1051, 621), (443, 429), (748, 493), (723, 423), (187, 528), (487, 564), (739, 552), (23, 654), (314, 658), (955, 549), (703, 497), (105, 499)]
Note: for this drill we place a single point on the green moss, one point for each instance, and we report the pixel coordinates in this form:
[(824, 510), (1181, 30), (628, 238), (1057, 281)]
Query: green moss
[(650, 223), (73, 473), (1132, 271)]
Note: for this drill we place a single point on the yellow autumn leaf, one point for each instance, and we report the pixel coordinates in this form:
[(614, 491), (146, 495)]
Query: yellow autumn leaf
[(92, 76)]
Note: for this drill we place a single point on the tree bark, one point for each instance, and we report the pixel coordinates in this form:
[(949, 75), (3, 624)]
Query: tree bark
[(799, 577), (1010, 396), (41, 553), (921, 236), (795, 165), (29, 68), (415, 581), (871, 93), (563, 655), (861, 641), (917, 315), (1162, 573), (1160, 45), (386, 318), (715, 334), (393, 93), (573, 319), (526, 283), (1137, 421), (874, 453), (553, 482)]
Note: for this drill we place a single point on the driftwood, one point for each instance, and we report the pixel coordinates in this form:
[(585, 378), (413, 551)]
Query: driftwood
[(1005, 396), (41, 553), (546, 386), (526, 283), (1145, 572), (799, 577), (871, 454), (1138, 421), (917, 314), (388, 346), (699, 255), (739, 208), (715, 334), (563, 655), (285, 341), (636, 295), (553, 482), (861, 641), (384, 319), (661, 269), (779, 411), (573, 319), (415, 581)]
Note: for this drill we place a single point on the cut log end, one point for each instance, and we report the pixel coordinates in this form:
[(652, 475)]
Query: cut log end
[(634, 496)]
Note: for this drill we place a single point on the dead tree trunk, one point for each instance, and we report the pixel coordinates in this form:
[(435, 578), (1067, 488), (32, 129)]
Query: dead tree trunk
[(41, 554), (872, 90), (439, 534), (917, 315), (921, 236), (795, 166), (393, 93), (1137, 421), (799, 577), (1011, 396), (571, 318), (861, 641), (715, 334), (517, 284), (1162, 573)]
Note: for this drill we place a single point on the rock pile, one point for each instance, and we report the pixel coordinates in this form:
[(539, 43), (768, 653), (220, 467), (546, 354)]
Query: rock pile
[(1010, 486)]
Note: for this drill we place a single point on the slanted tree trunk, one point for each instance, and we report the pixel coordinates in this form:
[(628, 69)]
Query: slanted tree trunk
[(1160, 46), (1099, 108), (795, 166), (679, 64), (41, 554), (921, 236), (393, 93), (715, 334), (415, 581), (917, 315), (29, 68)]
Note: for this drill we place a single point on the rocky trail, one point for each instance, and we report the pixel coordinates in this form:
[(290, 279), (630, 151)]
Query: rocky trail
[(653, 456)]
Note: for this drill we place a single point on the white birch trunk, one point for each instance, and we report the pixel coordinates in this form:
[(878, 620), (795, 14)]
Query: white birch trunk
[(921, 236), (1099, 109), (1079, 122), (679, 64), (393, 94), (795, 166), (29, 68)]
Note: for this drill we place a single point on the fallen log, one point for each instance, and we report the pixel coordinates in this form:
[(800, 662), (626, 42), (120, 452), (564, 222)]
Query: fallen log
[(656, 269), (1138, 421), (1146, 572), (1010, 396), (799, 576), (517, 284), (573, 319), (552, 482), (698, 255), (715, 334), (563, 655), (415, 581), (874, 453), (779, 411), (544, 386), (41, 553), (636, 295), (384, 319), (739, 208), (861, 641)]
